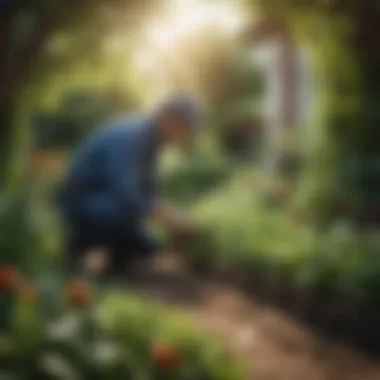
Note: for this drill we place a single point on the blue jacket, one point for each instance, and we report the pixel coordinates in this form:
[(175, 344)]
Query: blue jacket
[(113, 173)]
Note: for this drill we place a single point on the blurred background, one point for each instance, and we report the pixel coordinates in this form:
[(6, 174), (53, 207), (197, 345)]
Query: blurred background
[(285, 177)]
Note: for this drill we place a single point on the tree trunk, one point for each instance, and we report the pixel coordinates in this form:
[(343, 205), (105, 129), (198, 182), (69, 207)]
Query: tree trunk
[(6, 112), (13, 79)]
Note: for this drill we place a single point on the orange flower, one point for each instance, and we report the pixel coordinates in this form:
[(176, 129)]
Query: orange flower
[(8, 277), (165, 356), (40, 161), (79, 294), (28, 293)]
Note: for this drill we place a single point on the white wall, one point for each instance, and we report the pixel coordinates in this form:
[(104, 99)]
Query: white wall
[(268, 58)]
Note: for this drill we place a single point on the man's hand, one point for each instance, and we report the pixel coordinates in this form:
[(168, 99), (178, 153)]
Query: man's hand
[(174, 221)]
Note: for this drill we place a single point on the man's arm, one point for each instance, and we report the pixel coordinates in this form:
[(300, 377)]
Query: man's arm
[(162, 212), (173, 219), (125, 169), (125, 178)]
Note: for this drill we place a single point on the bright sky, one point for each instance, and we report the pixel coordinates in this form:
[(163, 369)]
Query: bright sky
[(185, 16), (169, 30)]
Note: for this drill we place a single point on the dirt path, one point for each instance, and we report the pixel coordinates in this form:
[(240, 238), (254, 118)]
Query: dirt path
[(274, 345)]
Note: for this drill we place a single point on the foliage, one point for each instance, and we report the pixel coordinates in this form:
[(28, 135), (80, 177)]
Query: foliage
[(56, 327), (78, 115), (286, 247), (19, 235), (194, 178), (69, 330), (330, 140), (67, 40), (188, 176), (241, 129)]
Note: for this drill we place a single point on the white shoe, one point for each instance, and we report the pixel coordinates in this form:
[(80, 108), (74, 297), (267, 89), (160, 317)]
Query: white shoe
[(95, 261)]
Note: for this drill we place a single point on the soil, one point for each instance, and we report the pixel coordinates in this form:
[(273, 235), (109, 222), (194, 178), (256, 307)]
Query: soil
[(274, 344)]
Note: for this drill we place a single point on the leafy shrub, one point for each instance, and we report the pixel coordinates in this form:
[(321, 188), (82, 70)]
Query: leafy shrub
[(249, 236), (55, 328), (61, 330), (241, 130), (195, 177), (18, 240), (76, 117)]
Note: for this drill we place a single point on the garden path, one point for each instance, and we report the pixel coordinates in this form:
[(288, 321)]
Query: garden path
[(273, 344)]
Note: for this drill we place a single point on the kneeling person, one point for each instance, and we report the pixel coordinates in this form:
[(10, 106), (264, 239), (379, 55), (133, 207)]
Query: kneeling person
[(109, 191)]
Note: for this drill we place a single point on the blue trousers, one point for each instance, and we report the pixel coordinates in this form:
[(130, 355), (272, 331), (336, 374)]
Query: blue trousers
[(95, 221)]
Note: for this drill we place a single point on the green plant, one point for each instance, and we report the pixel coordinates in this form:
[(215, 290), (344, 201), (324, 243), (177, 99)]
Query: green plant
[(195, 177), (80, 332), (54, 327), (334, 258), (19, 239)]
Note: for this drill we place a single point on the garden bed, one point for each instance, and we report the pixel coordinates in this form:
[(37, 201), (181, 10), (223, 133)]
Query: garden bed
[(53, 328), (327, 275), (337, 316)]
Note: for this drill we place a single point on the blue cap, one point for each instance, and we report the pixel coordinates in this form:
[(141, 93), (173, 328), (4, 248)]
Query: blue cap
[(185, 107)]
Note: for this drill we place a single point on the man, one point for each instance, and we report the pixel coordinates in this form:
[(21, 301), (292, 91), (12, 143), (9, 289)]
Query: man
[(109, 191)]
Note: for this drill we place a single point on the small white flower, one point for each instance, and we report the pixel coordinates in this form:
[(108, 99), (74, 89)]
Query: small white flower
[(106, 352), (65, 328), (56, 365)]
